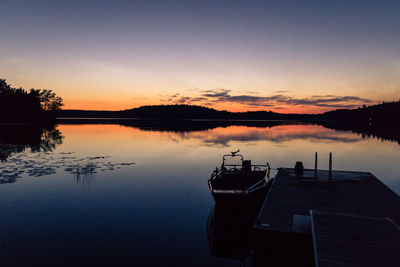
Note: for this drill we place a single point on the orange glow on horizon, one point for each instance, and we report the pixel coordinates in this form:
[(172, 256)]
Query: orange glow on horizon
[(121, 94), (117, 106)]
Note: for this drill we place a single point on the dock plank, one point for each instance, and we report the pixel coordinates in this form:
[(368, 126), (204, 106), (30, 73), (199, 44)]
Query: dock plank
[(353, 240), (358, 193)]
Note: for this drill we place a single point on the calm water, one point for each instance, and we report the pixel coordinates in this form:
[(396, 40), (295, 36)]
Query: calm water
[(152, 212)]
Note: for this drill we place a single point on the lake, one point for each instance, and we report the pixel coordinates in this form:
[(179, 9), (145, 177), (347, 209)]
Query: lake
[(115, 193)]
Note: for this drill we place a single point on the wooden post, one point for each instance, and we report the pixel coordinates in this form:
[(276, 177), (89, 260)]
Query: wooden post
[(330, 165), (316, 165)]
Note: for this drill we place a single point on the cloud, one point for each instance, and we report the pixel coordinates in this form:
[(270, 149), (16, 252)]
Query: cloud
[(12, 59), (272, 101), (217, 93), (326, 101), (179, 99)]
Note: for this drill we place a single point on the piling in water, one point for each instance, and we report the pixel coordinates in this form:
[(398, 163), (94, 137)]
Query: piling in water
[(330, 166), (316, 165)]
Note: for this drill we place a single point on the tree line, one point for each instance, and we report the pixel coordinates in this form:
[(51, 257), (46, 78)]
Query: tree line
[(375, 114), (34, 105)]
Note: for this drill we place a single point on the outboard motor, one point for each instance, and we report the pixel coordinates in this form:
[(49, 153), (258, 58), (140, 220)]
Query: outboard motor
[(246, 166), (298, 168)]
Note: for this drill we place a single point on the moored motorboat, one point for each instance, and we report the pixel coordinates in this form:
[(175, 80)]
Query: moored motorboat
[(236, 181)]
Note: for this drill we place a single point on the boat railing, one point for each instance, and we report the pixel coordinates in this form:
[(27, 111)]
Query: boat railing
[(215, 173), (255, 186), (232, 155), (231, 168)]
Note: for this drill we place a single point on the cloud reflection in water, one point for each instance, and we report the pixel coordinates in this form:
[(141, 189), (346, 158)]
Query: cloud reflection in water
[(277, 134)]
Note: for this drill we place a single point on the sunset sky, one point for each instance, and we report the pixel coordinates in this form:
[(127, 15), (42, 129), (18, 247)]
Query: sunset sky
[(284, 56)]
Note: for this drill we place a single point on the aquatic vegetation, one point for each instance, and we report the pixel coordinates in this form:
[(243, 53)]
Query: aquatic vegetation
[(48, 163)]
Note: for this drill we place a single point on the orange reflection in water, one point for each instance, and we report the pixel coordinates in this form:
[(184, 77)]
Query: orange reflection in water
[(111, 138), (125, 140), (112, 133), (280, 145), (277, 134)]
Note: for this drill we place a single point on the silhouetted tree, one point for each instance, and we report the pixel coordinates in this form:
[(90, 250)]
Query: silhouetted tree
[(49, 101), (387, 112), (4, 86), (20, 105)]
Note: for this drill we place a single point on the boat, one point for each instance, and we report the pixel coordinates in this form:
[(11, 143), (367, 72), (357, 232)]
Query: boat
[(238, 181)]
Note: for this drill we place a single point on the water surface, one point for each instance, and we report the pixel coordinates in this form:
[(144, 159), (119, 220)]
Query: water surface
[(146, 200)]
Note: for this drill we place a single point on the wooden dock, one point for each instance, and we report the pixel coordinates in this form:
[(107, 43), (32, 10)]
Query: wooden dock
[(341, 239), (296, 204)]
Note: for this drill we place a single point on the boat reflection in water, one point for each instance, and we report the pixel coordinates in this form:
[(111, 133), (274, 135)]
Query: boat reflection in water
[(229, 229), (231, 236)]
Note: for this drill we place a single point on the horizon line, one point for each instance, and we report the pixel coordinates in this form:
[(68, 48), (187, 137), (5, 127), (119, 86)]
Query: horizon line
[(248, 111)]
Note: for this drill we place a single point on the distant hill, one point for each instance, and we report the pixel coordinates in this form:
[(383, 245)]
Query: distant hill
[(157, 111), (377, 113), (385, 112), (181, 112), (176, 112)]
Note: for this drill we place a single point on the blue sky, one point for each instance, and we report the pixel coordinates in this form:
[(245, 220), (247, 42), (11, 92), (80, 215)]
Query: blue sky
[(121, 54)]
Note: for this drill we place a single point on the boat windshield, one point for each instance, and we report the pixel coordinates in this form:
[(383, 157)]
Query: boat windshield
[(233, 160)]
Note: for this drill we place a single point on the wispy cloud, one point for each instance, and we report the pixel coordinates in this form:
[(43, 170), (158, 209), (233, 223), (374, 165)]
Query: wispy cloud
[(12, 59), (179, 99), (274, 101)]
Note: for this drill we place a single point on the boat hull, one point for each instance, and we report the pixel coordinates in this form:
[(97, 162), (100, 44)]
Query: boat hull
[(230, 195)]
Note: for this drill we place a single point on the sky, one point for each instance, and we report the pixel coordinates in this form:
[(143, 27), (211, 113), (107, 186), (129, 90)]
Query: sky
[(284, 56)]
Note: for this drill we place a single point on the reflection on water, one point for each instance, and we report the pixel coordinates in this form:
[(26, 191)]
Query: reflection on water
[(95, 207), (384, 132), (85, 175), (278, 134), (177, 125), (15, 140), (29, 149), (229, 229), (387, 132), (38, 164), (37, 138), (231, 236)]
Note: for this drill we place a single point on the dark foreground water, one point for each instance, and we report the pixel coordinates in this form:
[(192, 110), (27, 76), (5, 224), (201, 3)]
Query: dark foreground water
[(107, 194)]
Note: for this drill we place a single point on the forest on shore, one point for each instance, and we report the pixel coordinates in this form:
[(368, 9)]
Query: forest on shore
[(384, 112), (43, 105), (33, 106)]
